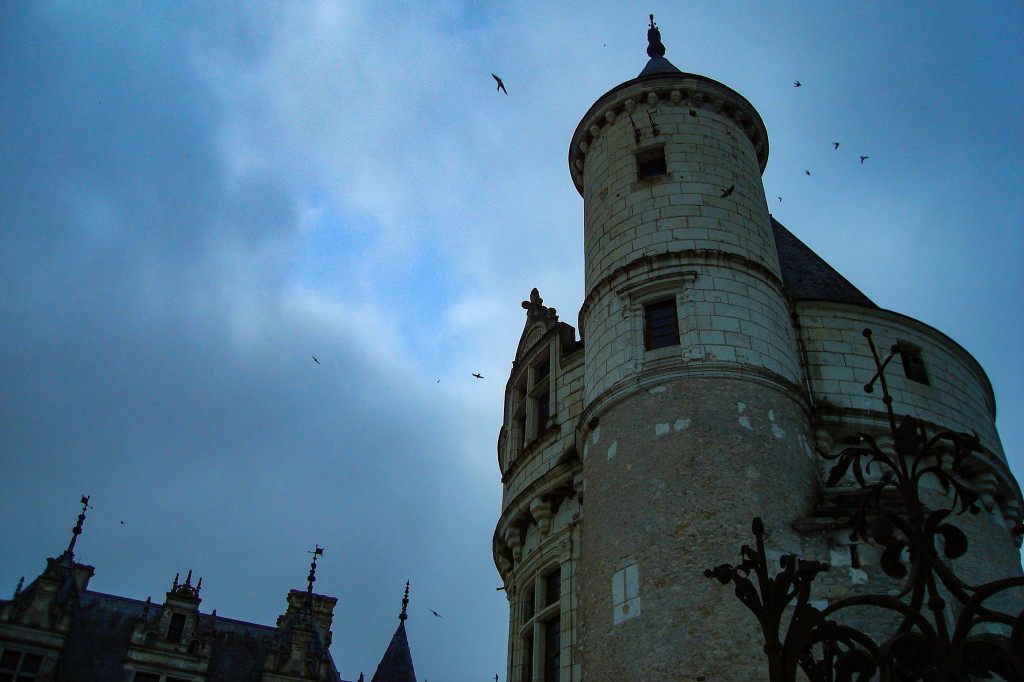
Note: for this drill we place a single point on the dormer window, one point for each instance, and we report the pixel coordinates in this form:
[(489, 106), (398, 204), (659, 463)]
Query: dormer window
[(177, 628)]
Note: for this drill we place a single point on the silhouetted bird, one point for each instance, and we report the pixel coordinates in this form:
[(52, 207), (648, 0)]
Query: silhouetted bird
[(797, 84), (122, 523), (314, 359), (435, 613), (780, 199), (727, 192), (862, 160), (807, 173), (478, 376), (501, 86), (835, 146)]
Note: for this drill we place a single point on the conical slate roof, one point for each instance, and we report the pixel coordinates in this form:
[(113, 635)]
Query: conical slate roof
[(396, 666), (807, 276)]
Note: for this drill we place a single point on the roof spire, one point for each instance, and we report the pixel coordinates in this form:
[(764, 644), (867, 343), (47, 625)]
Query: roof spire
[(311, 578), (405, 603), (655, 48), (77, 530)]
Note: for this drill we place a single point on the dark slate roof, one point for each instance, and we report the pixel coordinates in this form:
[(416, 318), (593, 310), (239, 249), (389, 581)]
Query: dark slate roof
[(658, 65), (101, 628), (396, 666), (806, 275)]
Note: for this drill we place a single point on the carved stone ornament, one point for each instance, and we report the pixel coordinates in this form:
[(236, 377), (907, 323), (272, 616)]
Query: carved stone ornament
[(537, 311)]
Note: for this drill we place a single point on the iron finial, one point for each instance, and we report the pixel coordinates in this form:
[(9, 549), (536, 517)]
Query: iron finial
[(77, 530), (405, 603), (311, 578), (655, 48)]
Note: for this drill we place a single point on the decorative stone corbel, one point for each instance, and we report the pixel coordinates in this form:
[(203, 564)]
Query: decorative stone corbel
[(541, 512), (514, 540)]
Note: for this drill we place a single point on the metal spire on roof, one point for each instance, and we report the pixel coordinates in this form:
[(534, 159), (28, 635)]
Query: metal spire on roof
[(319, 551), (77, 530), (655, 48), (405, 603)]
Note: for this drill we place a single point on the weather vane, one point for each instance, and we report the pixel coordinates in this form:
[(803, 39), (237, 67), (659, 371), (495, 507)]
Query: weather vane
[(319, 551)]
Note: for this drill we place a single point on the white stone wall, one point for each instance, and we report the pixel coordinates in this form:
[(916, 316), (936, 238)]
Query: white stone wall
[(958, 395), (706, 154), (727, 316)]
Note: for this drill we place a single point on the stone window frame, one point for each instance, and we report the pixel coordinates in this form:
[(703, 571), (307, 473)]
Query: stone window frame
[(536, 615), (533, 388), (147, 675), (16, 672), (636, 296), (648, 158)]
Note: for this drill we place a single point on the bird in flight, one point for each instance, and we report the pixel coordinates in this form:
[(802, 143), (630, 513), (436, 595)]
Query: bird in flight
[(807, 173), (727, 192), (780, 199), (501, 86), (797, 84), (435, 613), (835, 145), (314, 359), (862, 160), (478, 376)]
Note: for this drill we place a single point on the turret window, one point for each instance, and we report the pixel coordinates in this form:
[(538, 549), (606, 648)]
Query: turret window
[(531, 403), (661, 326), (650, 163), (913, 363), (541, 631)]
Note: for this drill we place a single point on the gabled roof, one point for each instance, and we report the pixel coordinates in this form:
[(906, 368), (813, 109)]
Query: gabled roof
[(806, 275), (396, 666)]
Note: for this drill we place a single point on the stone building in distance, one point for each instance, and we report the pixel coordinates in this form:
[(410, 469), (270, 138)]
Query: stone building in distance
[(56, 630), (719, 359)]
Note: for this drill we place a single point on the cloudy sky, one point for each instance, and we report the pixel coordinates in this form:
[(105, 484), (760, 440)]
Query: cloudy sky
[(197, 198)]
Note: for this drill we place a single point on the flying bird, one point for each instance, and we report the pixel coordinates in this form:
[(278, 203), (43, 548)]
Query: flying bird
[(835, 145), (727, 192), (807, 173), (501, 86), (797, 84), (314, 359), (122, 523), (862, 160), (435, 613), (478, 376), (780, 199)]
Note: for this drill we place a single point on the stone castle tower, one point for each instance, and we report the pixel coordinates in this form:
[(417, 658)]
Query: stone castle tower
[(719, 359)]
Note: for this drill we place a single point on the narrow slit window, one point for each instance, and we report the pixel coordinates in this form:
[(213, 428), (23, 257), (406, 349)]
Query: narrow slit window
[(650, 163), (661, 327)]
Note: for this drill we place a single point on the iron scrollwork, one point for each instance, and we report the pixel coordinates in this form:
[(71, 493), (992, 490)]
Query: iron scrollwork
[(945, 630)]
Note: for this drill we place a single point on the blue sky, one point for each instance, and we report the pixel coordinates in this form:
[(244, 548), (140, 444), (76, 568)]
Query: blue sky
[(195, 200)]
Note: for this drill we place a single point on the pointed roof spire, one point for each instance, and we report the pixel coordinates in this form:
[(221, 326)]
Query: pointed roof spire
[(311, 578), (656, 51), (396, 665), (69, 554)]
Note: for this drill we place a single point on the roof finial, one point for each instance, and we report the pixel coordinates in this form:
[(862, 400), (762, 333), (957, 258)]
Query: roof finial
[(17, 590), (405, 603), (655, 48), (77, 530), (319, 551)]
